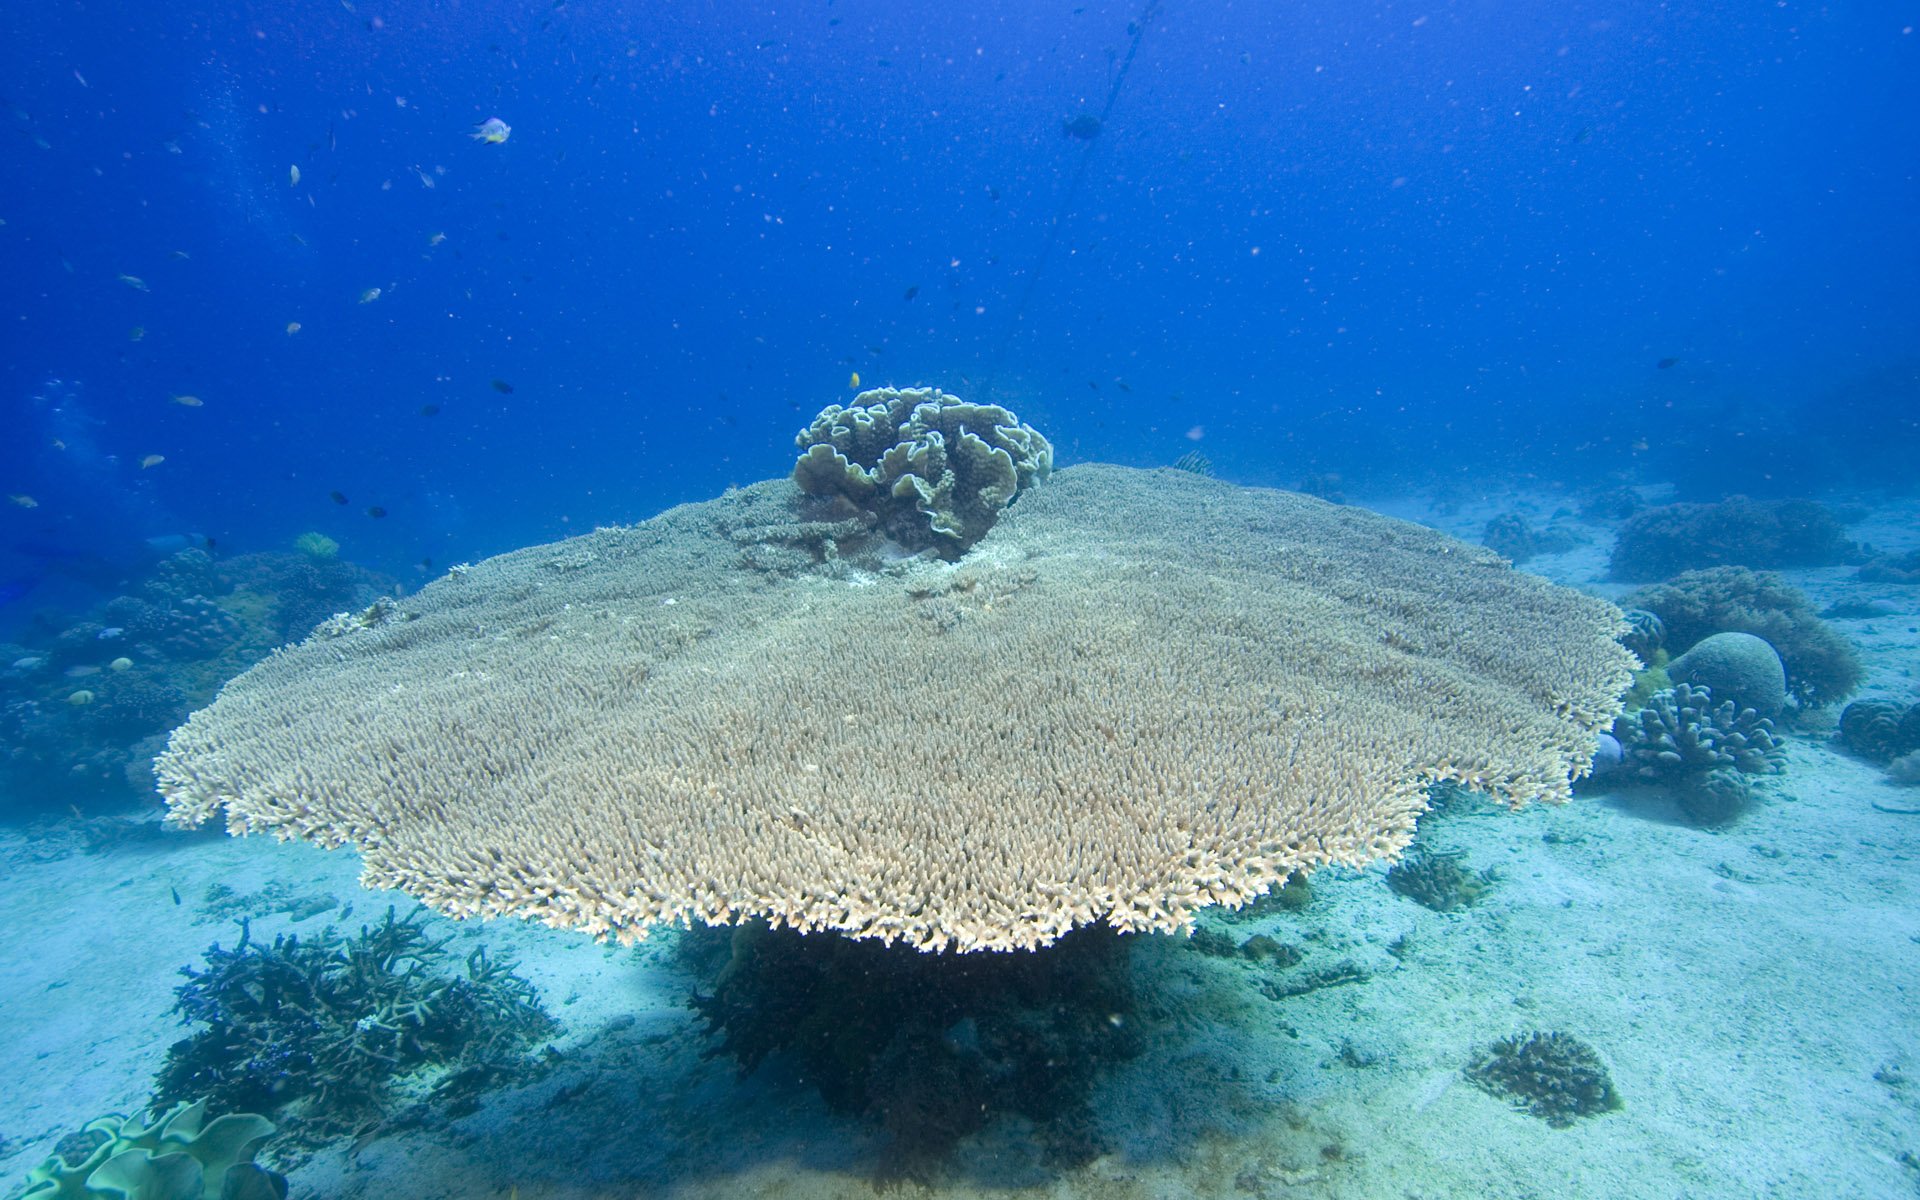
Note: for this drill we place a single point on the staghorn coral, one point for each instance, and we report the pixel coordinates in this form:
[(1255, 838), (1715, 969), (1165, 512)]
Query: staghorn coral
[(1143, 693), (1821, 665), (1681, 731), (328, 1024), (935, 469)]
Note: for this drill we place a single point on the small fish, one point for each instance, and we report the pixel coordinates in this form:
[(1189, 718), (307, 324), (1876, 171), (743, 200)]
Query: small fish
[(178, 255), (1666, 363), (172, 147), (22, 500), (429, 410), (293, 327), (293, 175), (337, 497), (492, 131), (135, 282), (81, 78), (152, 460), (503, 387), (912, 292), (376, 512), (136, 333), (853, 380), (176, 896), (189, 401), (426, 180), (1085, 127), (370, 295), (435, 239)]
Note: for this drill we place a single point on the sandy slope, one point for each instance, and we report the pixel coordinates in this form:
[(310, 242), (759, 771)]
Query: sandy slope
[(1749, 989)]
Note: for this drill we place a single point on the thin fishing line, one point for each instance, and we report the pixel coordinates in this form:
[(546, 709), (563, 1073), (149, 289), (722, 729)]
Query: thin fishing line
[(1073, 194)]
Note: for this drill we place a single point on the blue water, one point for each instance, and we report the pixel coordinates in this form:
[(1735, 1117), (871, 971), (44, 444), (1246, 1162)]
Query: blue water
[(259, 279), (1384, 241)]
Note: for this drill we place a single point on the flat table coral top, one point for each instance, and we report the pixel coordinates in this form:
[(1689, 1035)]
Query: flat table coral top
[(1142, 693)]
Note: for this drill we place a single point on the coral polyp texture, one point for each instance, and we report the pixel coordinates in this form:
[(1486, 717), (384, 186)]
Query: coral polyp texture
[(933, 468), (1142, 693)]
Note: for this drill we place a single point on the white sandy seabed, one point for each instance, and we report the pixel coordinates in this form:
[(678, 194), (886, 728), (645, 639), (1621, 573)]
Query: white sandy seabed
[(1752, 991)]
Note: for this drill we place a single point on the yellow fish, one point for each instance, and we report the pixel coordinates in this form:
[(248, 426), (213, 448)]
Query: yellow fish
[(136, 333), (24, 500), (853, 380), (293, 175), (370, 295), (293, 327), (189, 401), (135, 282), (492, 131), (152, 460)]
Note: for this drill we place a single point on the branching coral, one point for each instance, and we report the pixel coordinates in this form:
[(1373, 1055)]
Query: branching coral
[(331, 1022), (1701, 750), (1554, 1076), (1657, 542), (1681, 731), (1438, 879), (1821, 666)]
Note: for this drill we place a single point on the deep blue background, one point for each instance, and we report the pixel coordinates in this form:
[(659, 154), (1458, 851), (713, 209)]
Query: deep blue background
[(1399, 241)]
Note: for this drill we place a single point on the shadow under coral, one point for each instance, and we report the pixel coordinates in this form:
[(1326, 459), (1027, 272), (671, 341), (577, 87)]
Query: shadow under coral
[(929, 1048)]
